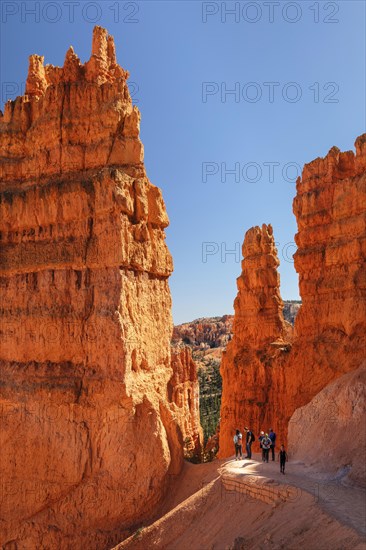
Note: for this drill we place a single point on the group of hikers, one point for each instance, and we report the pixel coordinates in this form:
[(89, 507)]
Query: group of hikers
[(267, 443)]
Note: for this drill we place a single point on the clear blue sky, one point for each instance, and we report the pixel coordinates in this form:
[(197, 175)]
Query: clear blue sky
[(170, 52)]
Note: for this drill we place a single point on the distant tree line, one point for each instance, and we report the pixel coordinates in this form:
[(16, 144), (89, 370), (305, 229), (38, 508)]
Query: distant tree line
[(210, 383)]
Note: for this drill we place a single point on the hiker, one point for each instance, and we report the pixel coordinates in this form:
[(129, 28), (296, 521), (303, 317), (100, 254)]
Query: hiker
[(238, 440), (282, 455), (249, 440), (266, 444), (260, 439), (272, 437)]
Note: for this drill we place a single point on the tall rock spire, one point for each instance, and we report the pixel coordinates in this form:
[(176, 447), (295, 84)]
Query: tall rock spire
[(258, 340), (36, 83), (258, 306)]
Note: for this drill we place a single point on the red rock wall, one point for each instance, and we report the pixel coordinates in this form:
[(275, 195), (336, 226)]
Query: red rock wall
[(88, 435), (183, 391), (264, 382), (330, 208)]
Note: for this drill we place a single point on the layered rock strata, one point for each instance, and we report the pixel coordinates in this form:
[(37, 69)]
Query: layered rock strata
[(330, 329), (267, 372), (88, 435)]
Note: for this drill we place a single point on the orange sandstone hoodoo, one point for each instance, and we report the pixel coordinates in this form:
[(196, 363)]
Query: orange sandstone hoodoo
[(89, 436), (268, 373)]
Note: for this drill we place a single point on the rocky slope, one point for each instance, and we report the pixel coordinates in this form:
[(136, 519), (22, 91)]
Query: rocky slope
[(267, 372), (329, 433), (89, 436)]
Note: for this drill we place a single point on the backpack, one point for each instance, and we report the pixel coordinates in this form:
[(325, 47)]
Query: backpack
[(253, 437)]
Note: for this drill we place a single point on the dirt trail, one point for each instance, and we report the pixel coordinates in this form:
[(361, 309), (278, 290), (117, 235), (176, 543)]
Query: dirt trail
[(204, 510), (345, 502)]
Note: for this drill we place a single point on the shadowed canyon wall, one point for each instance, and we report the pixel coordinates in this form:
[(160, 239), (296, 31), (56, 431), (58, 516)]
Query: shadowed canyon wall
[(89, 436), (183, 391), (268, 372)]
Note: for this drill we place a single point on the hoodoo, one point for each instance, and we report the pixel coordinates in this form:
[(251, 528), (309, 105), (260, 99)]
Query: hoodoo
[(268, 373), (88, 433), (260, 334)]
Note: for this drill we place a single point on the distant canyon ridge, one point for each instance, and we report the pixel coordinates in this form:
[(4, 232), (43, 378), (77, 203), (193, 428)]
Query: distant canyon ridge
[(215, 332)]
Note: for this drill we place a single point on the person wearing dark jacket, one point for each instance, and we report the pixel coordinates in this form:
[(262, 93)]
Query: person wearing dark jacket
[(282, 455), (249, 441), (272, 437)]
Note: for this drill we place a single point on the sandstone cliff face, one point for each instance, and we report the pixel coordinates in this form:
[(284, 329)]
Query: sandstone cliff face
[(328, 433), (265, 381), (330, 329), (88, 436), (183, 392)]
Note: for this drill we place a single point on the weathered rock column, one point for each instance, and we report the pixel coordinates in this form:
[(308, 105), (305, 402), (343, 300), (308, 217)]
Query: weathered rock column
[(259, 337), (88, 438)]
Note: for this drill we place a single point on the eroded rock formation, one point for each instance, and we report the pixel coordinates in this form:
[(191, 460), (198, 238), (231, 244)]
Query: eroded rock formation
[(258, 306), (260, 339), (183, 391), (88, 436), (207, 332), (267, 373), (330, 329)]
